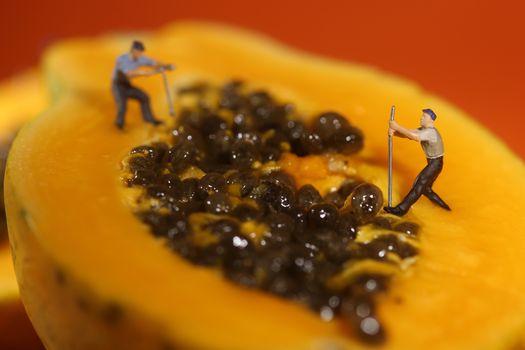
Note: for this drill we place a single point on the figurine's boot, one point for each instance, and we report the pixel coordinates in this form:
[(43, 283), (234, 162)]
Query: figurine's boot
[(433, 196), (119, 124), (403, 207), (395, 210)]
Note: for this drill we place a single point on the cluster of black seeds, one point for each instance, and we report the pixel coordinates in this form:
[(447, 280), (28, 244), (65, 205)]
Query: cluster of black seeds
[(215, 194)]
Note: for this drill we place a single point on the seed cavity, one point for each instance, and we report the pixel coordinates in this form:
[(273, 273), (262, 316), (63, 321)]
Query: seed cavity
[(213, 190)]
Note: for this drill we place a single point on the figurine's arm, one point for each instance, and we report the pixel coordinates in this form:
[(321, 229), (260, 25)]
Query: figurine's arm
[(156, 66), (392, 132), (139, 72), (398, 130)]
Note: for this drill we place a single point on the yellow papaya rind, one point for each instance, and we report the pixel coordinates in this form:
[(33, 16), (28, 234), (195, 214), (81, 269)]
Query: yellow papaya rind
[(21, 98), (434, 310)]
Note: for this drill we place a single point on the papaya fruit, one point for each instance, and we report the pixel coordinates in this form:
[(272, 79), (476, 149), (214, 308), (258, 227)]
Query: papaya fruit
[(92, 276), (21, 98)]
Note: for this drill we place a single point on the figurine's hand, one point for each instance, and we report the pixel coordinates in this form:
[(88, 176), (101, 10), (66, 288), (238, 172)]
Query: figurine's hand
[(391, 132), (169, 66), (394, 125)]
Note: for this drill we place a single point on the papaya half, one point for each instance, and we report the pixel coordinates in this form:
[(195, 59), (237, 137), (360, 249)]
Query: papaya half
[(91, 275), (21, 98)]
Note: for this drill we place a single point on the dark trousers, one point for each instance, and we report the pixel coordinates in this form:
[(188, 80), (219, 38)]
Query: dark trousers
[(423, 186), (122, 91)]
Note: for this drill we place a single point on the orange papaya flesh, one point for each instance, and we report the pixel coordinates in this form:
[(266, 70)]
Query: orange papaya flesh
[(103, 293), (21, 98)]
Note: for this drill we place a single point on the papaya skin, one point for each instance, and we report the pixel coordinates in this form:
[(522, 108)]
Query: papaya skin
[(16, 331), (67, 213), (21, 98)]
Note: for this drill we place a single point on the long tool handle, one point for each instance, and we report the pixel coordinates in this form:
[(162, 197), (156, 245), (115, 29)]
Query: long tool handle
[(390, 153), (168, 95)]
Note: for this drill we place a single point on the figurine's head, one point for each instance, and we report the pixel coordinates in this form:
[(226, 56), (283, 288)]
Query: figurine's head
[(137, 49), (428, 117)]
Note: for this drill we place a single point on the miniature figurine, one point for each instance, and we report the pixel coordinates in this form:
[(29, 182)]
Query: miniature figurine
[(432, 145), (128, 66)]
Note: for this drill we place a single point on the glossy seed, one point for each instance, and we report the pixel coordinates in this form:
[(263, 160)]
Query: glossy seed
[(279, 178), (212, 124), (259, 98), (307, 196), (142, 177), (279, 197), (218, 203), (211, 183), (188, 135), (294, 129), (140, 163), (188, 190), (327, 124), (183, 155), (243, 154), (158, 191), (280, 224), (172, 181), (311, 143), (347, 141), (242, 122), (335, 198), (407, 227), (246, 180), (145, 150), (232, 100), (347, 225), (323, 215), (365, 201)]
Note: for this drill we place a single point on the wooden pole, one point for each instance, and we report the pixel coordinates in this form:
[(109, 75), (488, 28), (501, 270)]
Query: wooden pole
[(168, 95), (390, 154)]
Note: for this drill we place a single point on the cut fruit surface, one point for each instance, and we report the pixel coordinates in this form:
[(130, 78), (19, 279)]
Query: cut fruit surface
[(91, 275)]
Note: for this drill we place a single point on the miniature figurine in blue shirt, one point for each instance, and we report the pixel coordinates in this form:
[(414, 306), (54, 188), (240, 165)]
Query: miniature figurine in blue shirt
[(127, 67)]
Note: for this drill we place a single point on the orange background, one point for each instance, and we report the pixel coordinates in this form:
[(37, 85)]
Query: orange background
[(470, 52)]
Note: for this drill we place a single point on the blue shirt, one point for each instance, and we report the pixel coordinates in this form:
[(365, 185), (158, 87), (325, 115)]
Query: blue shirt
[(125, 63)]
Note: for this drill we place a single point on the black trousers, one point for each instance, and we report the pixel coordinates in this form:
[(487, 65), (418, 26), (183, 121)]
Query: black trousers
[(122, 92), (423, 185)]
